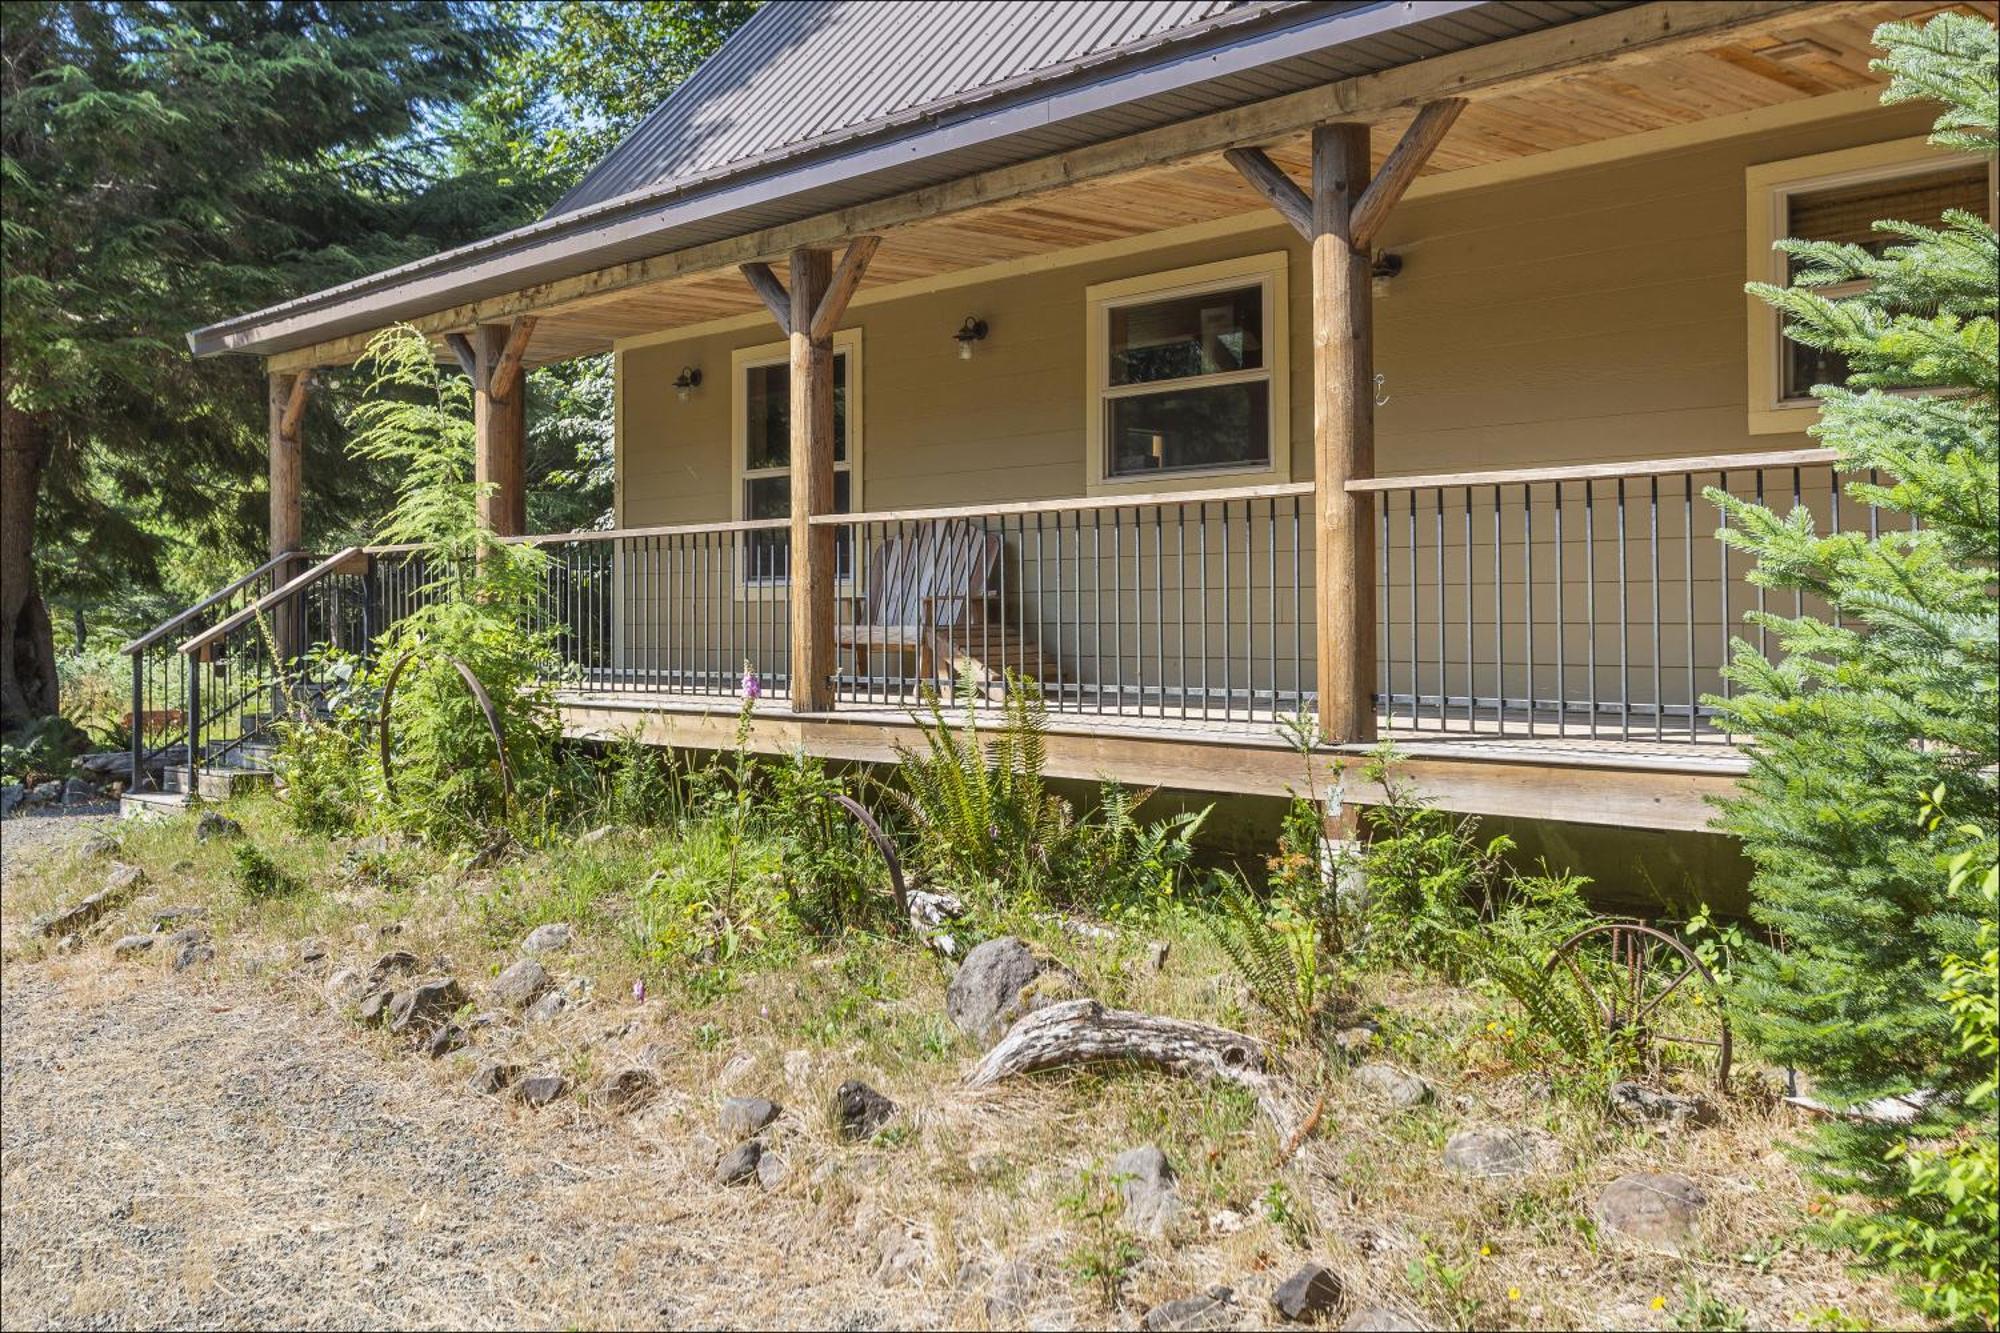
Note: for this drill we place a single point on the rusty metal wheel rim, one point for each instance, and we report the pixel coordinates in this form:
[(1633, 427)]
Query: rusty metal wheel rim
[(882, 845), (1623, 1008), (479, 696)]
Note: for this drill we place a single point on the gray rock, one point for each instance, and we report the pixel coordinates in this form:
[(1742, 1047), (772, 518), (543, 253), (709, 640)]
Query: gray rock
[(1499, 1153), (311, 951), (1395, 1086), (374, 1005), (447, 1038), (546, 1008), (1190, 1314), (541, 1089), (120, 884), (1309, 1294), (772, 1171), (519, 986), (998, 983), (933, 910), (214, 824), (102, 764), (739, 1164), (1358, 1039), (45, 793), (193, 952), (493, 1077), (628, 1089), (99, 844), (1145, 1182), (395, 963), (861, 1109), (549, 938), (1156, 955), (130, 946), (743, 1116), (1010, 1290), (1380, 1319), (597, 835), (187, 935), (12, 797), (1661, 1211), (79, 792), (167, 916), (424, 1006), (1642, 1105)]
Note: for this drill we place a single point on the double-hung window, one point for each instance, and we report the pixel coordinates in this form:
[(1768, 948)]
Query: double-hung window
[(1188, 377), (762, 400)]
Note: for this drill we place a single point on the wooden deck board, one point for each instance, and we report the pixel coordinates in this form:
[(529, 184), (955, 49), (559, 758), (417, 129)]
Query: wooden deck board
[(1642, 783)]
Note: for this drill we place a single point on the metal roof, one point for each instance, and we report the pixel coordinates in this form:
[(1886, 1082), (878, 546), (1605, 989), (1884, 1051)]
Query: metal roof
[(1194, 57), (806, 72)]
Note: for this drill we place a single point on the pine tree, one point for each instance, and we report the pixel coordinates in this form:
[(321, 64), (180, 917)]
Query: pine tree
[(1864, 721)]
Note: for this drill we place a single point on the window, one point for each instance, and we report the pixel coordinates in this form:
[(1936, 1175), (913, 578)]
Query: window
[(1188, 377), (1837, 197), (762, 400)]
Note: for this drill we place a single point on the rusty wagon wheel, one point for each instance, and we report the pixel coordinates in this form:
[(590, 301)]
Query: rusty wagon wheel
[(479, 696), (1650, 992), (884, 846)]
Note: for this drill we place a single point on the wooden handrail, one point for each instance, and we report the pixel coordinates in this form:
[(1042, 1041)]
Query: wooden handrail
[(166, 627), (337, 563), (1085, 503), (1655, 467)]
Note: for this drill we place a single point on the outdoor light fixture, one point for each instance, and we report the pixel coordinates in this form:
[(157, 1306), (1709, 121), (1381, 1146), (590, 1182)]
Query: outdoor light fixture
[(687, 383), (969, 333), (1386, 265)]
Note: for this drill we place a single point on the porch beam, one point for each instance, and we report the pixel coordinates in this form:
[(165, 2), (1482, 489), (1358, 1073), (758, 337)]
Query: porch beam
[(1343, 437), (841, 287), (1499, 69), (1400, 168), (507, 375), (295, 405), (812, 557), (500, 437), (772, 292), (1279, 190)]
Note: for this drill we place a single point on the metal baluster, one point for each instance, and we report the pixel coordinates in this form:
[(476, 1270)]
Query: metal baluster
[(1687, 588), (1562, 625), (1385, 662), (1471, 673), (1528, 589), (1180, 639), (1653, 540), (1727, 628), (1416, 621), (1228, 657), (1499, 622), (1201, 529), (1624, 626)]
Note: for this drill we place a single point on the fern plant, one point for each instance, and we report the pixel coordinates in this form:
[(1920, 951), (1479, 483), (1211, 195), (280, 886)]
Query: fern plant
[(1551, 1001), (1277, 951)]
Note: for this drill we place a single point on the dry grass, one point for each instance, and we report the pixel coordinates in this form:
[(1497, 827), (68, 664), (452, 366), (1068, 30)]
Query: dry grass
[(255, 1129)]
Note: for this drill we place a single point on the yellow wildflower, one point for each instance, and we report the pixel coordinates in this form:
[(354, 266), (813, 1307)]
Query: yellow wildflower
[(1513, 1293), (1659, 1302)]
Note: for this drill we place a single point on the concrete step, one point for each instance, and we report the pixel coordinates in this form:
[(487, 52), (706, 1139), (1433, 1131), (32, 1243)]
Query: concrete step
[(152, 804), (214, 784)]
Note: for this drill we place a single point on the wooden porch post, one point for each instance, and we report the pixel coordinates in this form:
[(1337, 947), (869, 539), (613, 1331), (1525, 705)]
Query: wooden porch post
[(287, 403), (813, 658), (1343, 436), (500, 424)]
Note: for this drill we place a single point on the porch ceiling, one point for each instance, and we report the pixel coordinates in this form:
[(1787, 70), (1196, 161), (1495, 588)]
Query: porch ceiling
[(1785, 58)]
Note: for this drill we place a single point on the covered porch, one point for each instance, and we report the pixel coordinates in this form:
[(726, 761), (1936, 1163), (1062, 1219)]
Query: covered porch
[(1537, 638)]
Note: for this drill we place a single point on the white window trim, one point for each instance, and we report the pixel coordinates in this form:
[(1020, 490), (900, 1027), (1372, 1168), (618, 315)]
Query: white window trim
[(1101, 298), (847, 343), (1768, 188)]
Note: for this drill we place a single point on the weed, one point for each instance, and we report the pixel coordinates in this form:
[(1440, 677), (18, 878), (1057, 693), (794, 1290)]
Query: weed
[(257, 877), (1103, 1252)]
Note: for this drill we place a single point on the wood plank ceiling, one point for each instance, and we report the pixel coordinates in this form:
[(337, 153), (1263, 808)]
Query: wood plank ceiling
[(1816, 53)]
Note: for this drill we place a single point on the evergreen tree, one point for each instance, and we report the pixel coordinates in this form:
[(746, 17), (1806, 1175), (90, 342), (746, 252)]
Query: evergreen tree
[(167, 164), (1865, 721)]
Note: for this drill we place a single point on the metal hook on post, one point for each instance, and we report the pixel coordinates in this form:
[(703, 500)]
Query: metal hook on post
[(1381, 399)]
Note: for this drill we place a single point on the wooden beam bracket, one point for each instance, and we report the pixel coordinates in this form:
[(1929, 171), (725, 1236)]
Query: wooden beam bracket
[(295, 406), (772, 292), (1267, 178), (461, 347), (841, 287), (507, 374), (1399, 170)]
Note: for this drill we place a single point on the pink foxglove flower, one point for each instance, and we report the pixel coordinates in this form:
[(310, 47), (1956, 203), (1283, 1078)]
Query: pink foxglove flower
[(639, 991), (752, 687)]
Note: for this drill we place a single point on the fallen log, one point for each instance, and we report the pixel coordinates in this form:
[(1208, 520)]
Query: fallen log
[(1082, 1032)]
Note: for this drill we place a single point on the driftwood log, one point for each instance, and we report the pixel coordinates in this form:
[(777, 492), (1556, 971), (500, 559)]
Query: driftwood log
[(1082, 1032)]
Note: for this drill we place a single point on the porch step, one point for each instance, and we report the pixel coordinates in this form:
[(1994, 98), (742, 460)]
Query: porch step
[(213, 784), (152, 804)]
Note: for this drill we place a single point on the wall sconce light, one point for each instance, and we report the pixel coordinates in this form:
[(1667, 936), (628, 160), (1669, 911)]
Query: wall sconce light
[(1386, 266), (688, 381), (969, 333)]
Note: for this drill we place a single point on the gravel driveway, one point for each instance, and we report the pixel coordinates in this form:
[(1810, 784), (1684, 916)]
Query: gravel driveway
[(182, 1150)]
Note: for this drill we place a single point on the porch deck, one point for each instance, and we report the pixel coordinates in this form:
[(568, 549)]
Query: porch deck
[(1499, 767)]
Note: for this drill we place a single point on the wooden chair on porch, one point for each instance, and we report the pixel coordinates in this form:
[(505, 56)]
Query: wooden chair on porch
[(930, 593)]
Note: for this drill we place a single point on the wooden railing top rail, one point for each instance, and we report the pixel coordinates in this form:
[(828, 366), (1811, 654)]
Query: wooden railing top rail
[(1099, 502), (338, 563), (168, 626), (609, 534), (1653, 467)]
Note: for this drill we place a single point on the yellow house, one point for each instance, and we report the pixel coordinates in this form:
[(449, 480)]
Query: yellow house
[(1205, 361)]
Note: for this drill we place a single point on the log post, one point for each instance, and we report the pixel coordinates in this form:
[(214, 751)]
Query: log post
[(812, 555), (1343, 436), (287, 401), (500, 428)]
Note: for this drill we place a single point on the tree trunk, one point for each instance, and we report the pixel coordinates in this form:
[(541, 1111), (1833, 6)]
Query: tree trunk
[(27, 639)]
